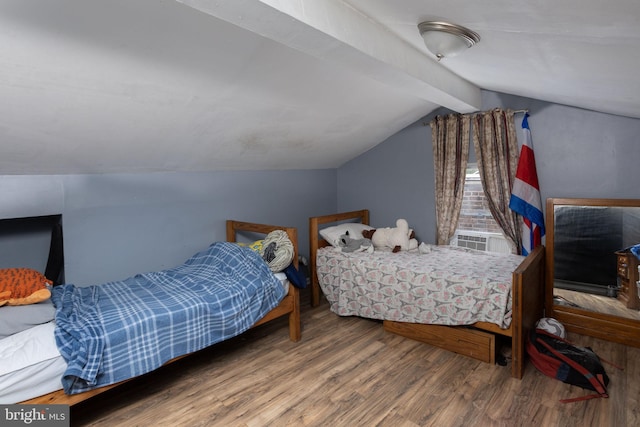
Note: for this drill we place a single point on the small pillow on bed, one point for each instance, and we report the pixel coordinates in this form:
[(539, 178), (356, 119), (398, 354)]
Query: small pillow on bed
[(255, 246), (277, 250), (332, 234), (23, 317), (21, 286)]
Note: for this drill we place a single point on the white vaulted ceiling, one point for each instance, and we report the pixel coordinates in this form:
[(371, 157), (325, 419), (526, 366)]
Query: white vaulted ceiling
[(91, 86)]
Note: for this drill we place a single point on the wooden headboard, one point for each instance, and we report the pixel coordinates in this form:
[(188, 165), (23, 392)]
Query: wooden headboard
[(290, 305), (315, 242)]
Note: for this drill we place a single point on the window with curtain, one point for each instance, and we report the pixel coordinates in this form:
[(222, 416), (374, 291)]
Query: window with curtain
[(476, 227), (495, 145)]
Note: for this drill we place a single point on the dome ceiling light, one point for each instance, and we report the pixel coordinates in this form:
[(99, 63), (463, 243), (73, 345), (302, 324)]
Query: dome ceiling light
[(446, 40)]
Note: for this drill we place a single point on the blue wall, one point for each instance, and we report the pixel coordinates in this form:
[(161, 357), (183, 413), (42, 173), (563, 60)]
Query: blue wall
[(393, 180), (579, 153), (118, 225)]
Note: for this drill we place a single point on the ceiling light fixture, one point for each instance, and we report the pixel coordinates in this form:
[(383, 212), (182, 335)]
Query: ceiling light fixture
[(446, 40)]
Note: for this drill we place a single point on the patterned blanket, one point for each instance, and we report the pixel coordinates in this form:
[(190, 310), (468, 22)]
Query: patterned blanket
[(447, 286), (115, 331)]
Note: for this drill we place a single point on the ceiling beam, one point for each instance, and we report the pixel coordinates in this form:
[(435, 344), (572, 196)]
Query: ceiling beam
[(334, 31)]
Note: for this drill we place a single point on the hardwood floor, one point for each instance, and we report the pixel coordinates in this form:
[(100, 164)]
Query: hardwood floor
[(350, 372)]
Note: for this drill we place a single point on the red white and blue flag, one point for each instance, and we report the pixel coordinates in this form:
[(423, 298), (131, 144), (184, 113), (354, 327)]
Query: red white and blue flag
[(525, 195)]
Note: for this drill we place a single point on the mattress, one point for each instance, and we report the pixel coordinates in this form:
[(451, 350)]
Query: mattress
[(440, 285), (30, 364)]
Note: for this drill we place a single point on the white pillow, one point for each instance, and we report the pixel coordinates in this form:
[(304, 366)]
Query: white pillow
[(332, 234)]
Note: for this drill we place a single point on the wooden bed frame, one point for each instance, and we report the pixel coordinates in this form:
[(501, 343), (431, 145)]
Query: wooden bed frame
[(527, 294), (289, 306)]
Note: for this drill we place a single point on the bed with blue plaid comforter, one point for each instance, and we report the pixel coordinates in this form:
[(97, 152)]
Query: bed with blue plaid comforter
[(118, 330)]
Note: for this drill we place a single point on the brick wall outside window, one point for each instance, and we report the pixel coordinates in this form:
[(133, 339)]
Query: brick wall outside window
[(475, 214)]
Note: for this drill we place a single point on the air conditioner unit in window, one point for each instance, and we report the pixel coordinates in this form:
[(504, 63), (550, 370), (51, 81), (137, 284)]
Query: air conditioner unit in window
[(481, 241), (499, 244)]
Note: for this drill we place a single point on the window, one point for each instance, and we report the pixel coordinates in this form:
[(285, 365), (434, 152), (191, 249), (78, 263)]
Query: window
[(476, 227)]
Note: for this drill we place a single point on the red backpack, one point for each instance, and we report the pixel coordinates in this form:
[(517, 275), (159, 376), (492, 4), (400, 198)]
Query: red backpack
[(558, 358)]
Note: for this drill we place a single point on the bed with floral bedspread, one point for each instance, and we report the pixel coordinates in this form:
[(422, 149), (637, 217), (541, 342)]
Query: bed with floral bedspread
[(432, 296), (445, 286)]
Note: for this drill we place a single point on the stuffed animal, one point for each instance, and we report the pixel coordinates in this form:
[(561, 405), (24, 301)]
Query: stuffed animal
[(399, 238), (348, 244), (21, 286)]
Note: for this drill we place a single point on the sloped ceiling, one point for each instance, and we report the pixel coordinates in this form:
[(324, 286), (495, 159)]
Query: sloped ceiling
[(92, 86)]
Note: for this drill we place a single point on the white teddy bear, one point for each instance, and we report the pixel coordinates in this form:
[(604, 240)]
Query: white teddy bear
[(397, 239)]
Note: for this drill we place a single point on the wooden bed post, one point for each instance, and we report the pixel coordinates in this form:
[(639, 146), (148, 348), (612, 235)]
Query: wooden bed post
[(315, 242), (527, 305), (313, 252), (291, 303)]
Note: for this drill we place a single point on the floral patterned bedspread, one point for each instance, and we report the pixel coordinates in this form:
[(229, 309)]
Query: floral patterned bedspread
[(446, 286)]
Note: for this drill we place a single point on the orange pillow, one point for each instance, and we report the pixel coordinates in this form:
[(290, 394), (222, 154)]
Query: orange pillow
[(22, 286)]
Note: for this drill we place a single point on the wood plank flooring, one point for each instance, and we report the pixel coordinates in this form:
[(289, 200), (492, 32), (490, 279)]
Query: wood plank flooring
[(350, 372)]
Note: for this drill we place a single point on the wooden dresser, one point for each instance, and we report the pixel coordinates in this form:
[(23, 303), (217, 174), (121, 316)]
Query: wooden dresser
[(627, 278)]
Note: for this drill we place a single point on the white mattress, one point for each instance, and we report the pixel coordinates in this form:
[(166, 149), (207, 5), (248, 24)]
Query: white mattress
[(30, 364), (283, 279)]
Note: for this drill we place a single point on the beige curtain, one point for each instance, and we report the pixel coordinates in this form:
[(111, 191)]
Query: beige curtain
[(450, 136), (496, 147)]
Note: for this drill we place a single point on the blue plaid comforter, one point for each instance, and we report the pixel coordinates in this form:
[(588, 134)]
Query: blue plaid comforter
[(119, 330)]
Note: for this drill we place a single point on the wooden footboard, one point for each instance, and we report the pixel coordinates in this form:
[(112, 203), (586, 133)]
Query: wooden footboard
[(290, 306), (528, 305)]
